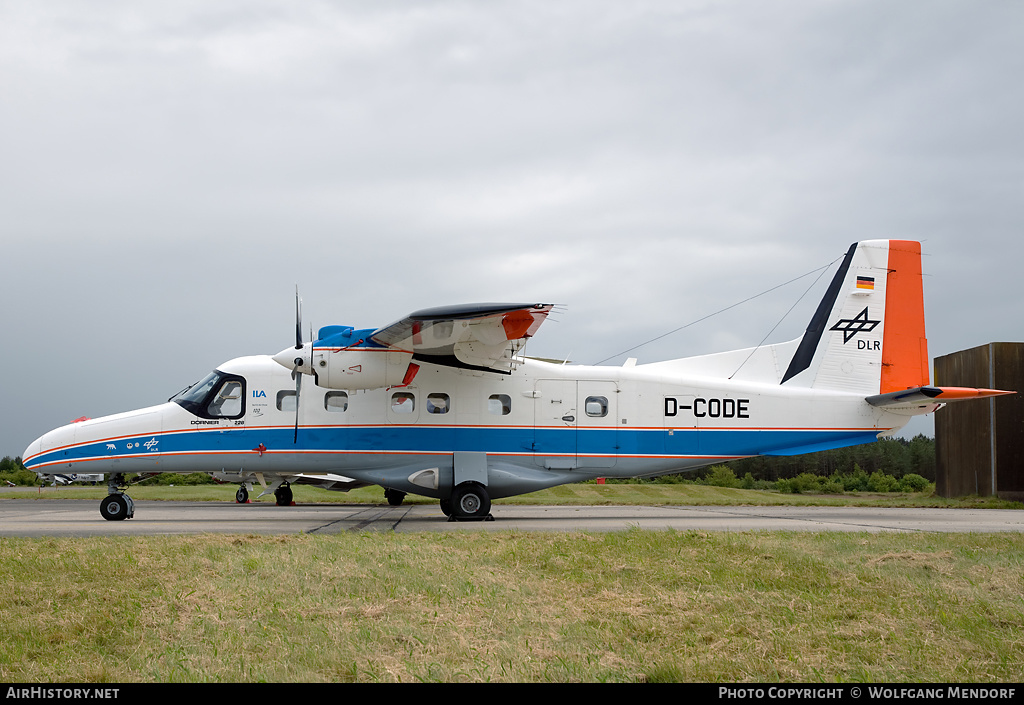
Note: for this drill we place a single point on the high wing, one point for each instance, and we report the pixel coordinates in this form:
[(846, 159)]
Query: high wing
[(483, 336)]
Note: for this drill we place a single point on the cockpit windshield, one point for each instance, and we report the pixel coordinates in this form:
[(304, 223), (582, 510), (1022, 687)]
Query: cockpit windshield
[(198, 391), (215, 396)]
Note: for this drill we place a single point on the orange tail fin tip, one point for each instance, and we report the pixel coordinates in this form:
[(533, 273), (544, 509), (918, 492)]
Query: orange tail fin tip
[(905, 347)]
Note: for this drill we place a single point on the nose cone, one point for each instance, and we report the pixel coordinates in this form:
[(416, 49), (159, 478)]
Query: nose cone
[(33, 450), (45, 450), (293, 357)]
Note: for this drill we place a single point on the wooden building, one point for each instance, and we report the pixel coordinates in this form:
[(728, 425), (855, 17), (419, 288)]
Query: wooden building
[(979, 445)]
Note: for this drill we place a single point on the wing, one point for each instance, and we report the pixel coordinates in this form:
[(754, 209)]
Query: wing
[(472, 336)]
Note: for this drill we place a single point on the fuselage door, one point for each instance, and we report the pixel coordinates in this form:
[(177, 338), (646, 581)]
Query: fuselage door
[(597, 442), (555, 419)]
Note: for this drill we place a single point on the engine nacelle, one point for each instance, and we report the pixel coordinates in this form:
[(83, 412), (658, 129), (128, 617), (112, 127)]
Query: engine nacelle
[(365, 368)]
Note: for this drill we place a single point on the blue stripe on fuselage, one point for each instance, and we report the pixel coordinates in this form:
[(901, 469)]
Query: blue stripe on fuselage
[(520, 440)]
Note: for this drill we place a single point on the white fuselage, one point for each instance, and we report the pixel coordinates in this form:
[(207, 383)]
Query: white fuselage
[(542, 425)]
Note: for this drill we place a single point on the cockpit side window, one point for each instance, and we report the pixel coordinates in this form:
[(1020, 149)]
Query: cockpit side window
[(216, 396), (227, 401)]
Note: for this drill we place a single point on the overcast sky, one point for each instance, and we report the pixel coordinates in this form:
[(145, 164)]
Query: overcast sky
[(171, 171)]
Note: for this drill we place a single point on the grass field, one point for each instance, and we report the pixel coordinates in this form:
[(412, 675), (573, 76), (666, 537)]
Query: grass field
[(632, 606), (513, 607)]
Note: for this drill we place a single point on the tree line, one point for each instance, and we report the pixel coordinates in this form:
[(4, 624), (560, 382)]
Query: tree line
[(891, 456)]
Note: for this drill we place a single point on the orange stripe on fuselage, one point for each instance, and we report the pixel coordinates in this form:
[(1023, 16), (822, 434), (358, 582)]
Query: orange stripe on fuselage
[(904, 346)]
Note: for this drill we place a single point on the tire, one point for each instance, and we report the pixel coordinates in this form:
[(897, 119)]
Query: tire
[(114, 508), (283, 495), (242, 495), (446, 507), (394, 497), (470, 501)]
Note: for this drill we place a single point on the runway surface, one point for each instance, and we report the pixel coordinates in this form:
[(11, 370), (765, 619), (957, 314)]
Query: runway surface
[(74, 517)]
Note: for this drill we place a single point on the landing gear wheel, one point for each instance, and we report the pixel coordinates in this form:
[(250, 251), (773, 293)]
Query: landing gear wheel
[(446, 507), (394, 497), (470, 501), (242, 495), (284, 495), (117, 507)]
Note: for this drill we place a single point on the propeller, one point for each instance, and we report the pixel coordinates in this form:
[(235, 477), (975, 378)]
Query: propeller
[(297, 362), (294, 359)]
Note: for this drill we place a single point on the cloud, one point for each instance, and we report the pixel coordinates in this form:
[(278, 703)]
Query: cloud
[(172, 172)]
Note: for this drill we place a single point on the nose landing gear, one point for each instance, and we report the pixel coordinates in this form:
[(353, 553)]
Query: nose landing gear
[(117, 506)]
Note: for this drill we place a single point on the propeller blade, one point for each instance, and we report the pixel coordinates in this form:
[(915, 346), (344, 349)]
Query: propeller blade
[(298, 389), (298, 361), (298, 320)]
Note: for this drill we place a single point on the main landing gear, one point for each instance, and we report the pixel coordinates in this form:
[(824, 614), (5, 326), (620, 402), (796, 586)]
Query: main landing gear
[(394, 497), (468, 502), (283, 494), (117, 506)]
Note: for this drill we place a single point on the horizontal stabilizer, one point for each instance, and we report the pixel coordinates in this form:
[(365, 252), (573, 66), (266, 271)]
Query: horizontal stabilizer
[(931, 395)]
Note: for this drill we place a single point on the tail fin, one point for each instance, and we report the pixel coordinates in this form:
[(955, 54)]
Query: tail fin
[(867, 335)]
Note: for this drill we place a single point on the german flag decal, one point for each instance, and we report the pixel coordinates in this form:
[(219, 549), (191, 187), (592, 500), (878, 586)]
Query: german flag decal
[(866, 283)]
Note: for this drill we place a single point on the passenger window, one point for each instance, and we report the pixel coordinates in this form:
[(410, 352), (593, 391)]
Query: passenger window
[(438, 403), (596, 406), (228, 401), (336, 402), (499, 404), (403, 403), (285, 401)]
